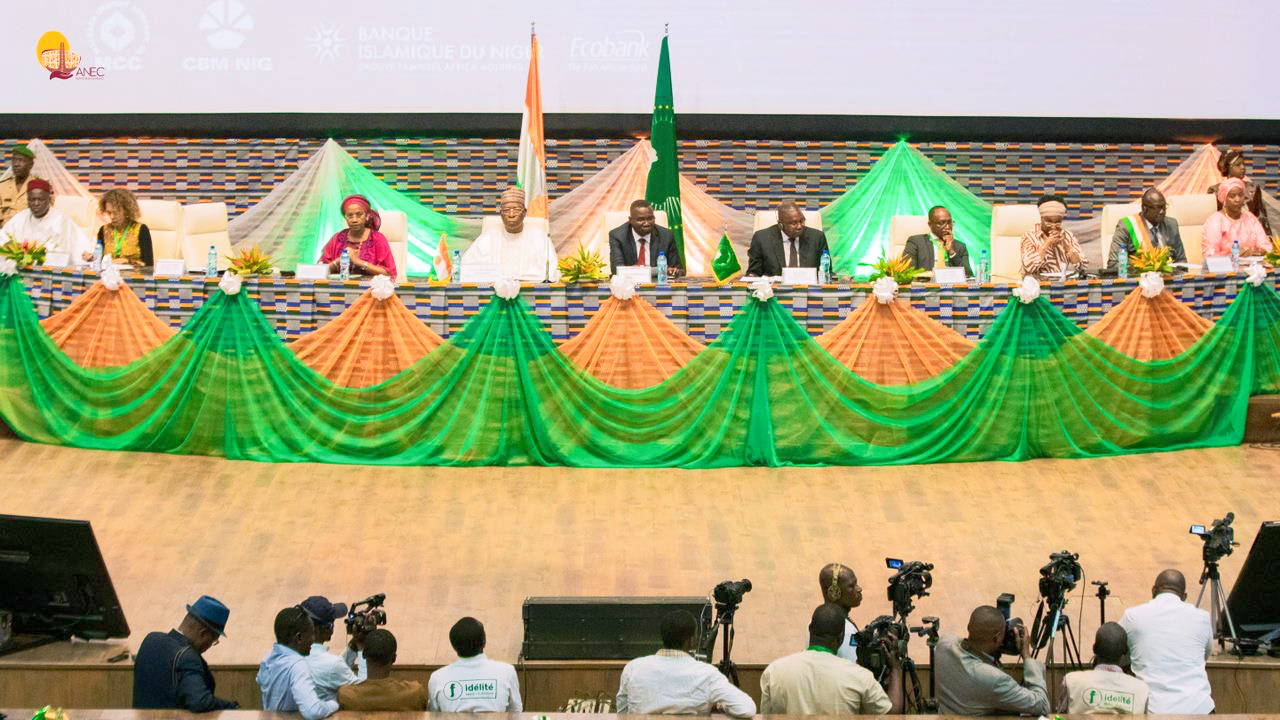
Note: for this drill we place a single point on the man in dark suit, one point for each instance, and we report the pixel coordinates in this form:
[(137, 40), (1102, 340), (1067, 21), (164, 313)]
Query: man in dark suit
[(1152, 226), (787, 244), (922, 250), (642, 237), (169, 672)]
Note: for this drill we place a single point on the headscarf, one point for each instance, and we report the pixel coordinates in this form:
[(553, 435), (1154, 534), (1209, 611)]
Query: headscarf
[(24, 151), (39, 184), (1227, 186), (1224, 162), (1052, 208), (512, 193), (372, 220)]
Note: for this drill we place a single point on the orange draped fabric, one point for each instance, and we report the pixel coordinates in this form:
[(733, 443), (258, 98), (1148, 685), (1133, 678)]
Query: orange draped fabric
[(106, 328), (894, 343), (631, 344), (371, 341), (1149, 329)]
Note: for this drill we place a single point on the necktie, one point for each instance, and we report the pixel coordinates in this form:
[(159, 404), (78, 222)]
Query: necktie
[(642, 254), (794, 259)]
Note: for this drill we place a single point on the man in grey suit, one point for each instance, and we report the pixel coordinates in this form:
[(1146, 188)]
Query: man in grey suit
[(642, 237), (1151, 226), (787, 244), (923, 250)]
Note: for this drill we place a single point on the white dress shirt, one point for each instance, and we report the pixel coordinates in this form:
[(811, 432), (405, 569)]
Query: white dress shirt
[(474, 684), (329, 672), (849, 648), (1169, 641), (285, 679), (642, 258), (673, 683)]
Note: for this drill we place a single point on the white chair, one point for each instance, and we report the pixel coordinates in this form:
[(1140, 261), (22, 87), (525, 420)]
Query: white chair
[(1008, 224), (765, 218), (902, 227), (83, 212), (164, 219), (395, 226), (614, 219), (204, 225), (1191, 212), (1111, 216)]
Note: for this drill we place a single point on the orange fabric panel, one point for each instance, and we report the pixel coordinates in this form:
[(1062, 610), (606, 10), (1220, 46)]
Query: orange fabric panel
[(106, 328), (631, 344), (894, 344), (1149, 329), (370, 342)]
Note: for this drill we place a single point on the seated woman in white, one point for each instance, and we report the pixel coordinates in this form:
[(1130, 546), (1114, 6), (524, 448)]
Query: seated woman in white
[(525, 253)]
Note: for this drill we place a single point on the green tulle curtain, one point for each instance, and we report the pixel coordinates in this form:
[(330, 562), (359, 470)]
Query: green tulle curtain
[(500, 392), (902, 182)]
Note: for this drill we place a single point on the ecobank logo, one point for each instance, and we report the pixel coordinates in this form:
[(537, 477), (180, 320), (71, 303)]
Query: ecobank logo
[(622, 50)]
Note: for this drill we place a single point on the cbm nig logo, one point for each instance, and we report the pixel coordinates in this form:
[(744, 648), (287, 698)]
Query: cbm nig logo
[(54, 53)]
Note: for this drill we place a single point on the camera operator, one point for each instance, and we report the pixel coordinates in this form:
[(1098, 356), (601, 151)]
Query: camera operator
[(840, 586), (970, 680), (1105, 689), (329, 671), (817, 682), (1169, 641)]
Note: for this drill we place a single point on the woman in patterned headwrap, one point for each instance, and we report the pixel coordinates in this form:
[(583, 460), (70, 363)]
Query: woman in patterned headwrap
[(1231, 165), (368, 249)]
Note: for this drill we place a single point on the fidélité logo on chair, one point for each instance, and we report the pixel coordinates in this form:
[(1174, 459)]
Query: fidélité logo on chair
[(54, 53)]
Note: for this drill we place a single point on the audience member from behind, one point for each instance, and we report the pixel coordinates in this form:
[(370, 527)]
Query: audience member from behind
[(1106, 689), (284, 676), (169, 671), (817, 682), (840, 586), (381, 691), (328, 671), (473, 683), (672, 682), (124, 237), (1169, 642), (971, 682)]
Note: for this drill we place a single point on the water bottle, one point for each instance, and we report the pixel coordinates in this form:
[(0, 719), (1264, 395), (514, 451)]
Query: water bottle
[(211, 267), (662, 268), (97, 255), (984, 269), (1235, 256), (457, 266), (824, 268), (1122, 263), (344, 265)]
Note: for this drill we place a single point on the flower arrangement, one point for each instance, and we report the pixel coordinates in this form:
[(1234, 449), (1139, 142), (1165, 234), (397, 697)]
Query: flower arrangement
[(1155, 260), (251, 262), (1273, 257), (899, 269), (23, 254), (583, 265)]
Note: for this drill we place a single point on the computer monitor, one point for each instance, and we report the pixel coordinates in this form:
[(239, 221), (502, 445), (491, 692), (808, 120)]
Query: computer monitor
[(54, 583), (1254, 602)]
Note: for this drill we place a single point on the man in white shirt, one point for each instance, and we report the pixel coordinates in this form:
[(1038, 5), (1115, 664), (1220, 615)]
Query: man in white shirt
[(44, 224), (817, 682), (329, 671), (673, 683), (525, 253), (840, 586), (1169, 642), (1105, 689), (473, 683), (284, 676)]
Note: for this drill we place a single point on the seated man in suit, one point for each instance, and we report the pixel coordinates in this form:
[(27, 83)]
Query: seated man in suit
[(1147, 230), (640, 239), (939, 248), (787, 244)]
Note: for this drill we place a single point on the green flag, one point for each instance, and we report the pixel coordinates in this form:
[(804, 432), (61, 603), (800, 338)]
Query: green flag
[(726, 264), (663, 188)]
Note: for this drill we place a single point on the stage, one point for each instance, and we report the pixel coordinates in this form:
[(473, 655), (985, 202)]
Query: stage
[(443, 543)]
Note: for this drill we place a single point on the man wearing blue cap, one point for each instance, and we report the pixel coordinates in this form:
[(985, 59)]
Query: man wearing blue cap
[(169, 671), (328, 670)]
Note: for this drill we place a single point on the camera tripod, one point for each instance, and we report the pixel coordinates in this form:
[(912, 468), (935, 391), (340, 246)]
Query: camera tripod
[(922, 705), (724, 626), (1045, 636), (1211, 580)]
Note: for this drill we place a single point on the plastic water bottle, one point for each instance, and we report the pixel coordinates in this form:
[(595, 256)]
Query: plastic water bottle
[(662, 268), (1235, 256), (211, 267), (824, 268), (984, 269), (344, 265), (1122, 263), (97, 255), (457, 266)]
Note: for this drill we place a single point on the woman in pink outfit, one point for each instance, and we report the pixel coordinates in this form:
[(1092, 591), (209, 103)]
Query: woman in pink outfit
[(1234, 224)]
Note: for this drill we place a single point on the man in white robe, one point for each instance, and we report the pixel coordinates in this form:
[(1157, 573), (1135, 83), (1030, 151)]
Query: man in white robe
[(44, 224), (525, 253)]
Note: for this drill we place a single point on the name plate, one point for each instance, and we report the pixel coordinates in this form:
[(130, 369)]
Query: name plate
[(311, 271), (1218, 264), (481, 273), (638, 274), (170, 268), (949, 276), (57, 259), (799, 276)]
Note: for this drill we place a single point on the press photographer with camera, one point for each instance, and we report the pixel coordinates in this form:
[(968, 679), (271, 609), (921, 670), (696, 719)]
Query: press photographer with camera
[(970, 681), (329, 671), (840, 586), (816, 681), (1169, 641)]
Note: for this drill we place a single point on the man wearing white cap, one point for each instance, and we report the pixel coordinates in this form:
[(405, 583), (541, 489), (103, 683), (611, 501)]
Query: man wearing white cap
[(1048, 249), (525, 253)]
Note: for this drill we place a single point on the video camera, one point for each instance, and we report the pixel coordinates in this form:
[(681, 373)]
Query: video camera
[(360, 622), (1004, 604), (912, 580), (1060, 576), (1218, 539), (728, 594), (878, 641)]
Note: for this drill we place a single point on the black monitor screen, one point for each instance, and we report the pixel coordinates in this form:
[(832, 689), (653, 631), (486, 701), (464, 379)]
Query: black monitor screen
[(1255, 600)]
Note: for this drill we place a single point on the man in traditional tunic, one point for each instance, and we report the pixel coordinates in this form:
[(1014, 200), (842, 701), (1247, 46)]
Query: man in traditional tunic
[(525, 253), (44, 224)]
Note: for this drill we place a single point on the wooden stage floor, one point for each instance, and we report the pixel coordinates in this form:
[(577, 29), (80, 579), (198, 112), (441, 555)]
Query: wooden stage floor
[(442, 543)]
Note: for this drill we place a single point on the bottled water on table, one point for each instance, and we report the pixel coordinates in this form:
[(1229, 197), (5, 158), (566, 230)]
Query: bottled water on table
[(984, 269), (1122, 263), (1235, 256), (211, 267), (457, 266), (824, 268), (344, 265), (662, 268)]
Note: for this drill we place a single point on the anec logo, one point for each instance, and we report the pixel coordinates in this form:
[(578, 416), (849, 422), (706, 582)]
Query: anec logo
[(54, 55)]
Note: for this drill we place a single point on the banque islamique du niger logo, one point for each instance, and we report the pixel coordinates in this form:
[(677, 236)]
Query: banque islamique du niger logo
[(55, 55)]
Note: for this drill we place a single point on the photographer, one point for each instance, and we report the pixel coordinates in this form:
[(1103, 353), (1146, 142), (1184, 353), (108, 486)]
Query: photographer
[(1169, 641), (672, 682), (970, 680), (329, 671), (817, 682), (840, 586)]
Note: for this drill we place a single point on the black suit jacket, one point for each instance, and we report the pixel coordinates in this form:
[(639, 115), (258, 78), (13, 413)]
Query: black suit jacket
[(919, 251), (767, 256), (168, 673), (1169, 236), (622, 248)]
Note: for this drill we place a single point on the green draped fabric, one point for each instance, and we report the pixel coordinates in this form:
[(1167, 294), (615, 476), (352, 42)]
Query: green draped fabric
[(500, 392)]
